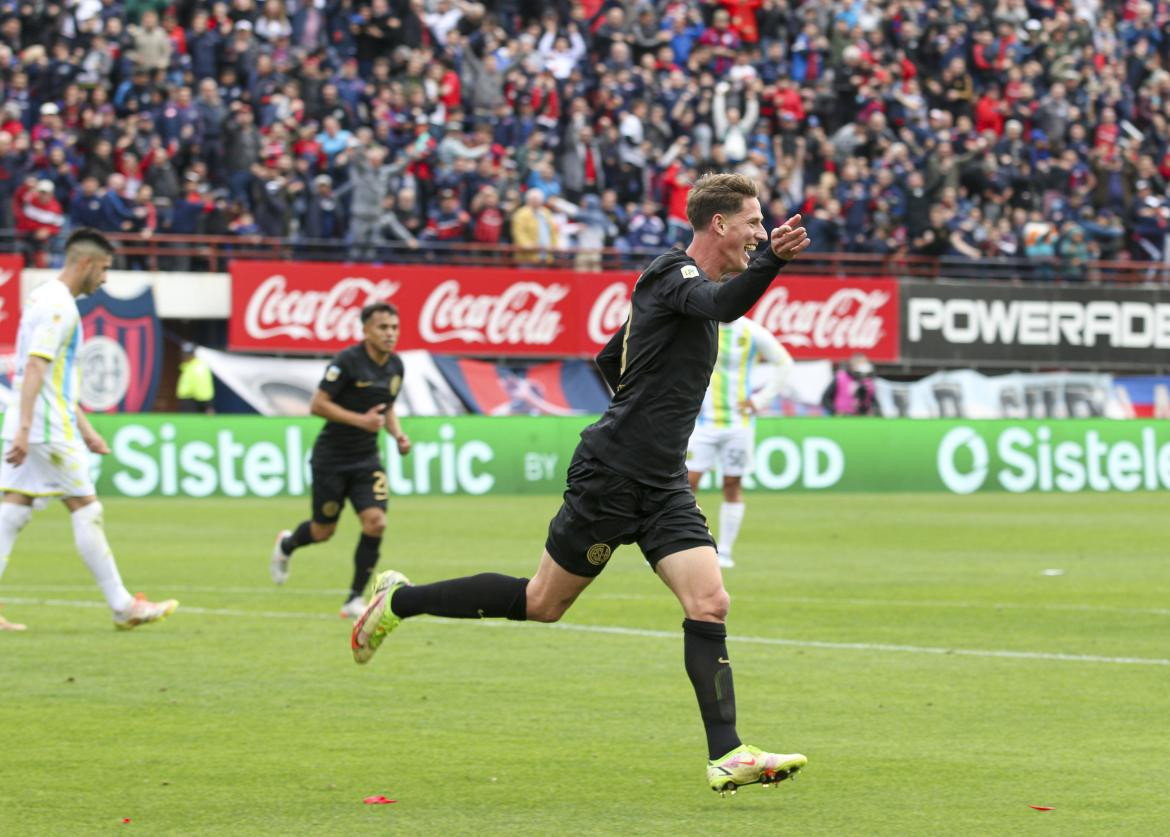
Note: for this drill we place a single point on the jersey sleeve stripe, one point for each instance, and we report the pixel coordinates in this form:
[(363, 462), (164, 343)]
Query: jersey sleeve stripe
[(44, 355)]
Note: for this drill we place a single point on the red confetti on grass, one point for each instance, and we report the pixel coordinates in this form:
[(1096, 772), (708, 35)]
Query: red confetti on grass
[(378, 800), (1040, 807), (125, 820)]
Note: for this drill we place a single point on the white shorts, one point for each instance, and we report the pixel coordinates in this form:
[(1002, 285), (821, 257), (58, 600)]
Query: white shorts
[(51, 469), (730, 448)]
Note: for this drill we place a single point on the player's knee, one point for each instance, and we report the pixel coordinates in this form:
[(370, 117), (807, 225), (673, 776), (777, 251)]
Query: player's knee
[(541, 610), (710, 607), (322, 531), (374, 526), (15, 516)]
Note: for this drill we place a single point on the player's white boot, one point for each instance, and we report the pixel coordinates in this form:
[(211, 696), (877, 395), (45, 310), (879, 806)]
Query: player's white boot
[(142, 612), (278, 565), (352, 609), (725, 560)]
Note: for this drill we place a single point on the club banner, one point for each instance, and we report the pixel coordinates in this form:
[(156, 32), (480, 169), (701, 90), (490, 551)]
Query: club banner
[(965, 393), (122, 354), (965, 324), (254, 456), (1146, 396), (315, 308), (10, 267), (557, 388), (281, 386)]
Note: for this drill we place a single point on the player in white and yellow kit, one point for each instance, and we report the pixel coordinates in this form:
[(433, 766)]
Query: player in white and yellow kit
[(725, 431), (47, 438)]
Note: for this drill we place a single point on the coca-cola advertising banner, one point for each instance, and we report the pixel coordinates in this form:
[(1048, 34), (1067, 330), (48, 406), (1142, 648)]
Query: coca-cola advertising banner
[(10, 267), (965, 324), (315, 308)]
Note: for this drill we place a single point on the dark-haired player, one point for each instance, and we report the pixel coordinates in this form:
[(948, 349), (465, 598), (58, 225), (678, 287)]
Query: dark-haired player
[(356, 399), (627, 482), (47, 437)]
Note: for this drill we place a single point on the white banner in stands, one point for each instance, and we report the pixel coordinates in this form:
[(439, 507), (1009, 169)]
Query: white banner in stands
[(276, 386)]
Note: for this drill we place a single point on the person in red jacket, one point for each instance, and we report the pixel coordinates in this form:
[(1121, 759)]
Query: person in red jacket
[(39, 220)]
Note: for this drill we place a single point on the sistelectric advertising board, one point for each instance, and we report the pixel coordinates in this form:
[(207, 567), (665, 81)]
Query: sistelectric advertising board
[(255, 456), (966, 324)]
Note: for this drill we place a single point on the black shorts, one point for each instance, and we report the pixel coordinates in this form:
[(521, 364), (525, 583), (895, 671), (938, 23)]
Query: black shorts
[(364, 485), (603, 509)]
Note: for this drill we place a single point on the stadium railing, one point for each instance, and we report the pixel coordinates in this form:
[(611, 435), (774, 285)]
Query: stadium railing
[(212, 253)]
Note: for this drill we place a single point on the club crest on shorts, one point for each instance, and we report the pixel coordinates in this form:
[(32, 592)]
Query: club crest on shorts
[(331, 508), (598, 554)]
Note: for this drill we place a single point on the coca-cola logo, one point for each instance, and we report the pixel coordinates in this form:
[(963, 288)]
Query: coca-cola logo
[(609, 311), (849, 318), (332, 315), (523, 314)]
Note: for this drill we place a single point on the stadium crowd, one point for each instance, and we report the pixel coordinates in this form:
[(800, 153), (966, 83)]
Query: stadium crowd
[(970, 129)]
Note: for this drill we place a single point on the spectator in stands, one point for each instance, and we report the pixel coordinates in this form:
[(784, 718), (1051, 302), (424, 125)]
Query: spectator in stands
[(534, 231), (449, 223), (151, 46), (117, 216), (324, 217), (39, 221), (85, 210), (851, 391)]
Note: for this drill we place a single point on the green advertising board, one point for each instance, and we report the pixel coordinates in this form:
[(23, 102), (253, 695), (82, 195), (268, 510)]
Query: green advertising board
[(254, 456)]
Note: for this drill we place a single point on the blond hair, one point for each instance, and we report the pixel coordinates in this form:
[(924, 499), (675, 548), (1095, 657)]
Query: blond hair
[(718, 194)]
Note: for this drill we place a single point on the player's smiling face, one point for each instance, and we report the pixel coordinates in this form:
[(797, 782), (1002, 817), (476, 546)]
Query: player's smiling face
[(742, 233), (381, 332)]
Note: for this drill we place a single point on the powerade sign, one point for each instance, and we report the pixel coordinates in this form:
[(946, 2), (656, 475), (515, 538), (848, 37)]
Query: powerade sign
[(255, 456), (965, 324)]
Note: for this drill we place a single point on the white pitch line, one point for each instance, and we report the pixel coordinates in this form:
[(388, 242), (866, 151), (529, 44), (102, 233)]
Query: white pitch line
[(272, 590), (653, 634)]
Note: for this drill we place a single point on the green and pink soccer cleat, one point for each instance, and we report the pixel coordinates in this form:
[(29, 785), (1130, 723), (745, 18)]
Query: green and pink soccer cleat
[(378, 619), (747, 765)]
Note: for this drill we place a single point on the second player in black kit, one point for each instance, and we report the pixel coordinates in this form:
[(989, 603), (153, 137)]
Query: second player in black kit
[(627, 482), (356, 397)]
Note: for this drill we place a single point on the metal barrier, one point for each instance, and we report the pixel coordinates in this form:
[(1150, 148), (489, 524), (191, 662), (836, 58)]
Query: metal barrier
[(213, 252)]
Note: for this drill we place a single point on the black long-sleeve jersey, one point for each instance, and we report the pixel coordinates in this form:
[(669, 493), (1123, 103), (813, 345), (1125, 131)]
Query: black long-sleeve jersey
[(356, 383), (659, 364)]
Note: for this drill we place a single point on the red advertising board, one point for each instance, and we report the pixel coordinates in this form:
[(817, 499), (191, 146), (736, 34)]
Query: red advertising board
[(314, 307), (10, 267)]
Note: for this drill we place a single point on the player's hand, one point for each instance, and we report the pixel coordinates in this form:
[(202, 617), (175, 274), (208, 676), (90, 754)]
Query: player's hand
[(18, 448), (403, 443), (747, 407), (789, 239), (96, 444), (372, 419)]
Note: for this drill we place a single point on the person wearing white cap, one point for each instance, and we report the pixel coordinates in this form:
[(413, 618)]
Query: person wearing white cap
[(39, 220)]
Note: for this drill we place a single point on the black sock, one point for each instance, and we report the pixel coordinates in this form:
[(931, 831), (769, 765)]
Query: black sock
[(487, 595), (705, 654), (301, 536), (365, 558)]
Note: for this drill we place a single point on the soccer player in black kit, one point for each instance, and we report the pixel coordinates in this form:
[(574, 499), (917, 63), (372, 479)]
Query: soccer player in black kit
[(356, 399), (627, 481)]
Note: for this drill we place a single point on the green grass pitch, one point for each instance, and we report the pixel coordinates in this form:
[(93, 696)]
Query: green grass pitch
[(911, 646)]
